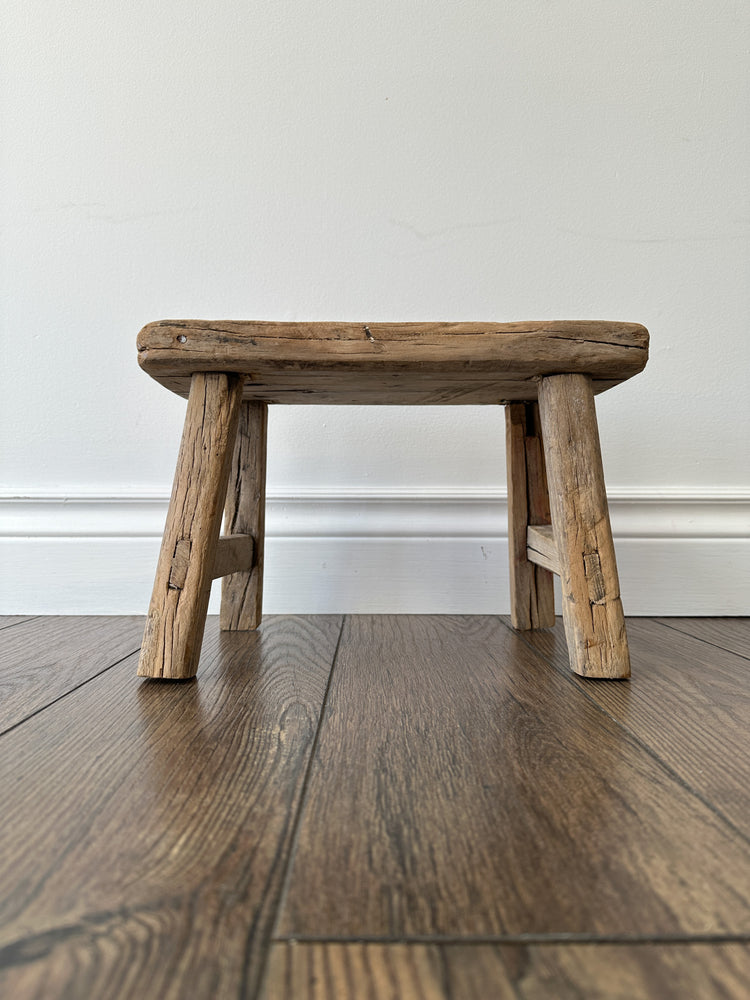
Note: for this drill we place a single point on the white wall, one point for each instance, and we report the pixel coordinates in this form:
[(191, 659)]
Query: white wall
[(369, 161)]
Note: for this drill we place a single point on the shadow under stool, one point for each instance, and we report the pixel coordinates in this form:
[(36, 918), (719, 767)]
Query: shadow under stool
[(545, 374)]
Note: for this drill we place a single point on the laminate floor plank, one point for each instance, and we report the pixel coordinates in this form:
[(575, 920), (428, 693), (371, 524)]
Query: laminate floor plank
[(728, 633), (462, 786), (146, 824), (333, 971), (298, 971), (7, 621), (688, 701), (43, 658)]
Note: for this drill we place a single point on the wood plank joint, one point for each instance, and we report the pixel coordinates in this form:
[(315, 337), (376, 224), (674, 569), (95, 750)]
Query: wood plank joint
[(179, 568), (234, 554), (541, 547)]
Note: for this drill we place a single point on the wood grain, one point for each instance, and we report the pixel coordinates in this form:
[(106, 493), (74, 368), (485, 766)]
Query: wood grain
[(233, 553), (245, 511), (146, 826), (591, 605), (532, 596), (43, 658), (609, 972), (690, 706), (727, 633), (357, 972), (384, 388), (391, 362), (461, 786), (179, 602), (507, 972), (541, 549)]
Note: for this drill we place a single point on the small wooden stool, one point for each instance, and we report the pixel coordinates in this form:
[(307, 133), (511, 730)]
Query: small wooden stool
[(546, 374)]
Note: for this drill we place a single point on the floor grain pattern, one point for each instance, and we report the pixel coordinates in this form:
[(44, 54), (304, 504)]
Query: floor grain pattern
[(507, 972), (462, 786), (42, 659), (689, 703), (146, 825), (405, 808)]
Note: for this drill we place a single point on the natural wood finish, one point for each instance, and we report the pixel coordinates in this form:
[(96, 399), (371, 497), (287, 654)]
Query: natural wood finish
[(541, 549), (690, 707), (728, 633), (43, 658), (146, 828), (591, 605), (179, 567), (522, 816), (338, 971), (419, 363), (532, 595), (461, 786), (385, 388), (176, 617), (363, 971), (597, 972), (245, 511), (233, 554)]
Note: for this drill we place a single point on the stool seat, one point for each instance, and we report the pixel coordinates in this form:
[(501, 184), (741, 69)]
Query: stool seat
[(546, 373), (392, 363)]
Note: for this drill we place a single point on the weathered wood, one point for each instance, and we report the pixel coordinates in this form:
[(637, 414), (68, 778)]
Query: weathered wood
[(180, 561), (690, 707), (43, 658), (541, 549), (461, 786), (386, 363), (383, 388), (245, 511), (532, 596), (234, 553), (426, 971), (176, 617), (146, 829), (591, 605)]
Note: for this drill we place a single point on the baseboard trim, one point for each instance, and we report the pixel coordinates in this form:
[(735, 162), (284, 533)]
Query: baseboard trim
[(356, 551)]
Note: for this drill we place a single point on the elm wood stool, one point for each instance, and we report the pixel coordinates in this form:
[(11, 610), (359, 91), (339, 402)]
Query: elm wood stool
[(545, 373)]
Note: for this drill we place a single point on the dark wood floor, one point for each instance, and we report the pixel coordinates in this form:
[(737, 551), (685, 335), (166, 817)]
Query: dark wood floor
[(385, 807)]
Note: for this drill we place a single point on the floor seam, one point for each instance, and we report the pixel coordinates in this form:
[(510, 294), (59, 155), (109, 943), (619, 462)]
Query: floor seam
[(43, 708), (24, 621), (520, 939), (708, 642), (296, 821), (712, 807)]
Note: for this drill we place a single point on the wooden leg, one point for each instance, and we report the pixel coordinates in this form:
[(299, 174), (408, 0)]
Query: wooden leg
[(245, 513), (177, 614), (592, 610), (532, 595)]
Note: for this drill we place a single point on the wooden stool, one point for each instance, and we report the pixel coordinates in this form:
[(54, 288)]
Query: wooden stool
[(546, 374)]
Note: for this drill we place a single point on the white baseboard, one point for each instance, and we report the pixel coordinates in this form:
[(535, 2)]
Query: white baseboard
[(355, 552)]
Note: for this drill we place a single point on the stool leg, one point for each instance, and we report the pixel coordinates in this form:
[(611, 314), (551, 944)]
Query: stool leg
[(532, 595), (245, 514), (177, 614), (592, 610)]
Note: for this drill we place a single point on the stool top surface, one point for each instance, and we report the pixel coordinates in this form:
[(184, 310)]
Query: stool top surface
[(392, 363)]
